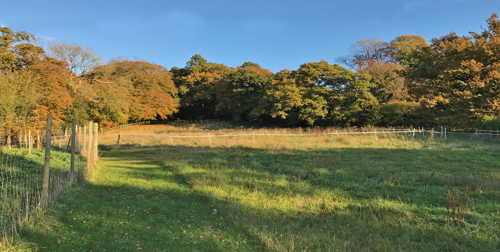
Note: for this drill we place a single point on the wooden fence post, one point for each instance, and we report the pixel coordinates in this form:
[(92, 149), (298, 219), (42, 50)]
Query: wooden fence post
[(60, 138), (84, 149), (38, 140), (73, 149), (29, 142), (66, 137), (46, 164), (118, 142), (96, 142), (78, 137), (1, 151), (89, 142)]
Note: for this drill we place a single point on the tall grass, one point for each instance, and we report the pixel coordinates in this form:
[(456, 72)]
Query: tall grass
[(21, 177)]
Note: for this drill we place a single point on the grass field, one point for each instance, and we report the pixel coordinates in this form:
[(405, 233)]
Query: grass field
[(318, 193), (21, 176)]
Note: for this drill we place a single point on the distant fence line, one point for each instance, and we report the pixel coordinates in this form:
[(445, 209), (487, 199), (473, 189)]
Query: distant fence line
[(442, 133), (253, 134), (26, 186), (123, 127)]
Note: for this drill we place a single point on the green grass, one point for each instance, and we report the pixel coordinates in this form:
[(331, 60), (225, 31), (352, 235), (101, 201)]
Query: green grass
[(21, 176), (324, 194)]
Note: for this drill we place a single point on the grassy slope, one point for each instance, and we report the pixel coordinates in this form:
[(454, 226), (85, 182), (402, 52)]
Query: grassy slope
[(388, 195)]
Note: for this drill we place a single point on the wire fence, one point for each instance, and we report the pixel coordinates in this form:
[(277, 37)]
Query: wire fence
[(255, 134), (232, 131), (30, 177), (123, 127)]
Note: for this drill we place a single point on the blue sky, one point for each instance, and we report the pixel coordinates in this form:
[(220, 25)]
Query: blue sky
[(276, 34)]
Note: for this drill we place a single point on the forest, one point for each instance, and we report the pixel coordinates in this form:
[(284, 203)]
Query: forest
[(407, 82)]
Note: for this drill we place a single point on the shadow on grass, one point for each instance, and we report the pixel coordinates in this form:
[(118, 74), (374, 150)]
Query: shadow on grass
[(225, 199)]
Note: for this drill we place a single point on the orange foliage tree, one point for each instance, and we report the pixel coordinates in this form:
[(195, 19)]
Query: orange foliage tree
[(129, 90)]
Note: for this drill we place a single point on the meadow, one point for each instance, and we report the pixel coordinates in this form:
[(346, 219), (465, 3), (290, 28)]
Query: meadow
[(279, 193)]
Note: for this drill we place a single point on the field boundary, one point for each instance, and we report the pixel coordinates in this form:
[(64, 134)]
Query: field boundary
[(123, 127), (320, 132)]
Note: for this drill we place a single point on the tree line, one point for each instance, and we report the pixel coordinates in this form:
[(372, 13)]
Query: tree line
[(453, 80)]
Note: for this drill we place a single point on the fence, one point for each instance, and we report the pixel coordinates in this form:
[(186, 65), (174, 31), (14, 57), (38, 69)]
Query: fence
[(440, 132), (32, 177), (123, 127), (299, 132)]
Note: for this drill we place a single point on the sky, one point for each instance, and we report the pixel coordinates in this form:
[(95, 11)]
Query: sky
[(276, 34)]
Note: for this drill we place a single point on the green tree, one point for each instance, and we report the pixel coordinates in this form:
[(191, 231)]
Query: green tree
[(347, 94), (196, 63), (282, 96), (16, 50), (457, 77), (201, 88), (247, 87), (250, 64), (404, 46)]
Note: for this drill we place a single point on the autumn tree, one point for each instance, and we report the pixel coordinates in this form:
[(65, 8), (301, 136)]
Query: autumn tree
[(457, 77), (16, 50), (199, 84), (365, 53), (79, 58), (132, 91), (55, 93)]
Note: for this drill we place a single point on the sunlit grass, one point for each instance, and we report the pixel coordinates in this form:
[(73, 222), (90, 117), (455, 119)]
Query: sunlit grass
[(314, 193)]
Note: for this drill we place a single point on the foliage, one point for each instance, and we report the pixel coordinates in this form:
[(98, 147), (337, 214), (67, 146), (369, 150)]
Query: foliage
[(405, 46), (132, 90), (490, 123), (334, 93), (16, 51), (401, 113), (18, 101), (198, 86), (389, 85), (247, 86), (457, 77)]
